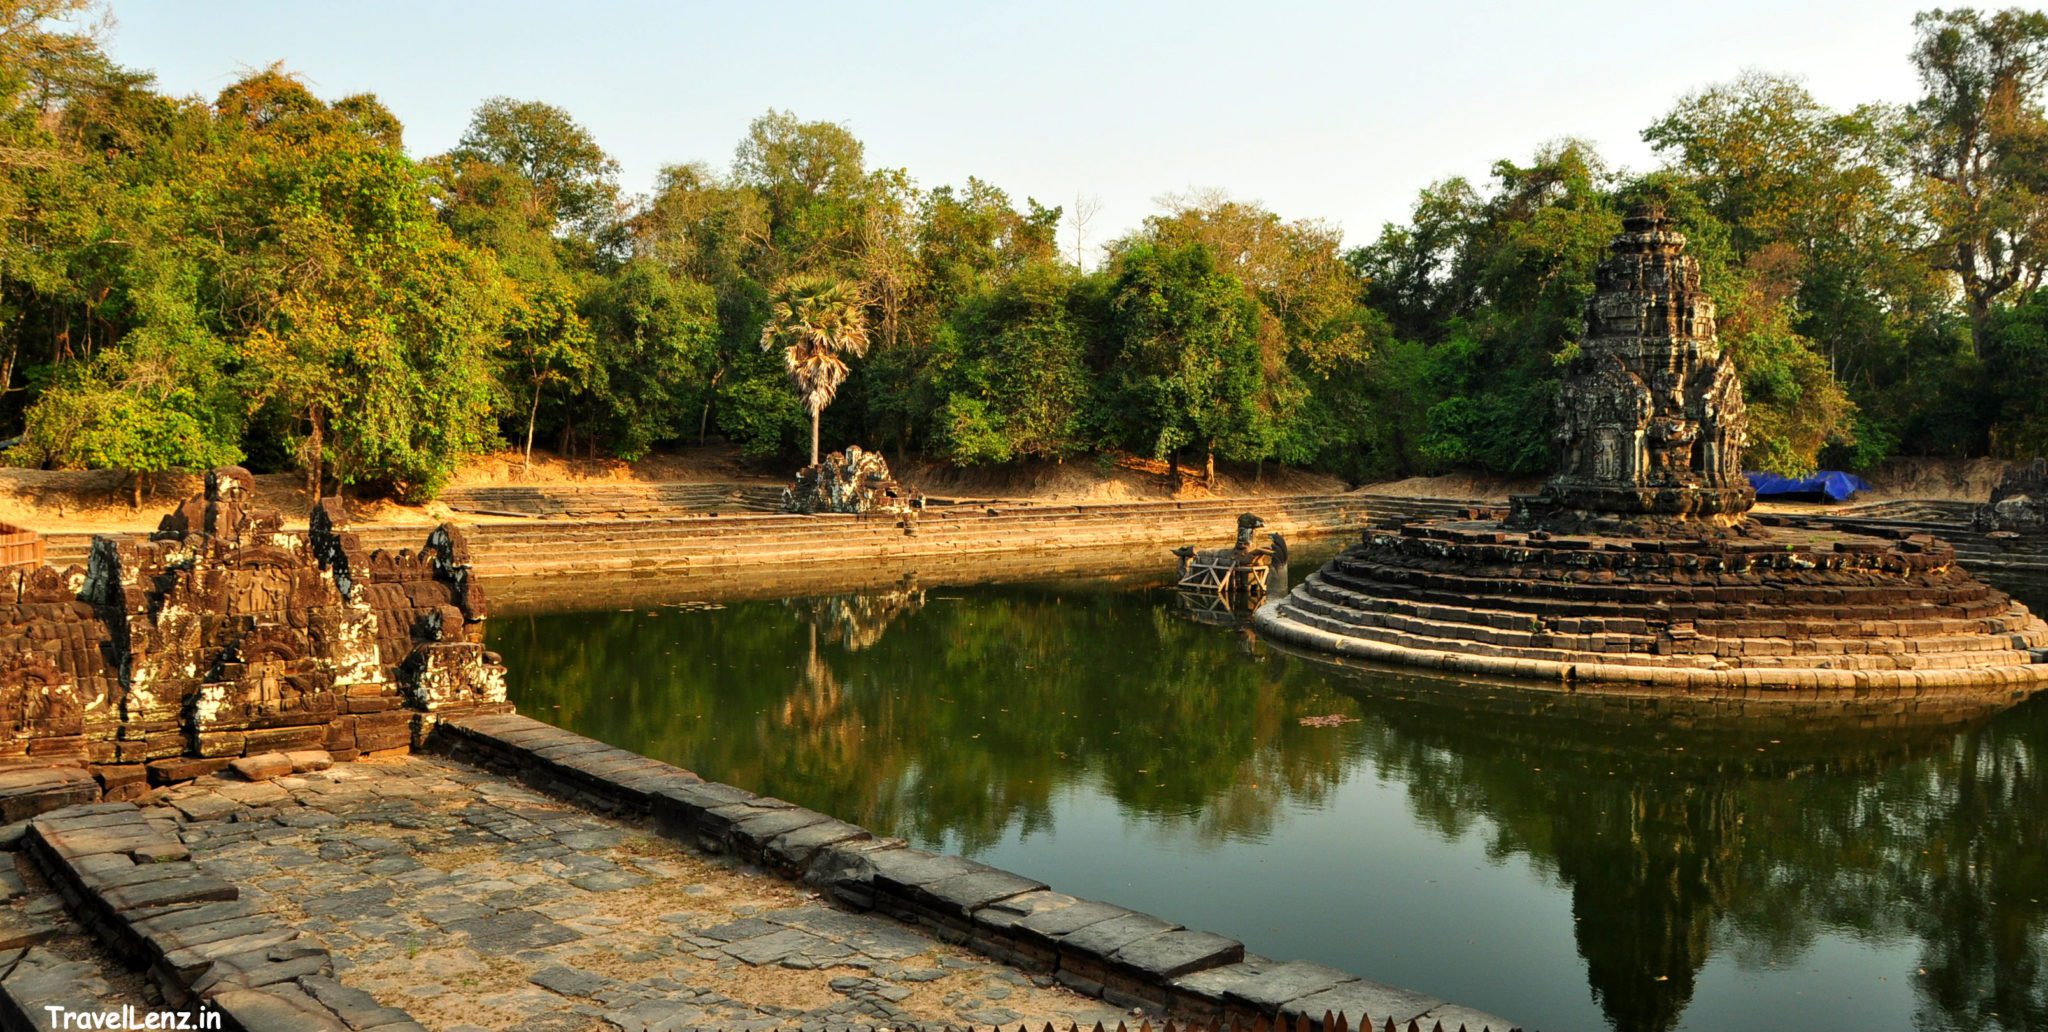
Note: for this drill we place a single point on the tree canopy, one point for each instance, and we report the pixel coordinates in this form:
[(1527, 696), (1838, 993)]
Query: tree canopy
[(270, 276)]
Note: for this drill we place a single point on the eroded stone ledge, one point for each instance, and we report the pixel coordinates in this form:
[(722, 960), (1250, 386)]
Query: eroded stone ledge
[(1099, 949), (130, 880)]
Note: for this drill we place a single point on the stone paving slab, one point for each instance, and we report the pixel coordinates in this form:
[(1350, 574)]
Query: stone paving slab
[(48, 959), (470, 902)]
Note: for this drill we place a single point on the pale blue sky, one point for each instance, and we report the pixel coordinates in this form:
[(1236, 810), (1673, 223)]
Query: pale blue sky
[(1331, 110)]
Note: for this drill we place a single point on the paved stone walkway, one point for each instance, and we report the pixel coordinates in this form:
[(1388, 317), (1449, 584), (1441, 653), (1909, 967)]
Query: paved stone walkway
[(474, 903), (47, 958)]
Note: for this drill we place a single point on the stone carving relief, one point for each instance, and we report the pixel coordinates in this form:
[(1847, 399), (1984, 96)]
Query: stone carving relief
[(1650, 415)]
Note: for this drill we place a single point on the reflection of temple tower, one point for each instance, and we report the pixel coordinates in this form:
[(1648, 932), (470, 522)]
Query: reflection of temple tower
[(858, 621), (1649, 878), (1651, 420), (1680, 840)]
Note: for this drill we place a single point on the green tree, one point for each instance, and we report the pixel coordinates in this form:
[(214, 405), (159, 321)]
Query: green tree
[(533, 186), (1187, 358), (812, 180), (1782, 170), (360, 313), (1979, 142), (817, 323), (1314, 333), (657, 337), (139, 411), (572, 180), (2019, 372), (1011, 366)]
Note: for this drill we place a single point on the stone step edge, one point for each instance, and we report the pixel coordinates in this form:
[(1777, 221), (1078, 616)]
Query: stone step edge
[(1929, 650), (732, 543), (2021, 680), (1099, 949), (1769, 653), (137, 890)]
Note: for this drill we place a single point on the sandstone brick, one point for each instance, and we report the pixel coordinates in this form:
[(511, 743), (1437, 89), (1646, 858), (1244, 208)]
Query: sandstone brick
[(262, 766)]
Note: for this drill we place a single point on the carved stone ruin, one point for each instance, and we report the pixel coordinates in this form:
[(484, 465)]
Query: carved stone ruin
[(1238, 570), (1650, 416), (1638, 562), (222, 635), (853, 481), (2019, 504)]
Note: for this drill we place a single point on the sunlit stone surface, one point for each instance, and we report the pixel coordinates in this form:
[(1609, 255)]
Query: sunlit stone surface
[(1639, 561)]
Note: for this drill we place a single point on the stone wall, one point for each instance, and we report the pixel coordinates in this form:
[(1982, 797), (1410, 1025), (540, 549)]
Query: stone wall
[(223, 635)]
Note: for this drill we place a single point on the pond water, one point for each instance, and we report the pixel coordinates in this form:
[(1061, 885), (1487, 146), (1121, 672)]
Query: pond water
[(1568, 861)]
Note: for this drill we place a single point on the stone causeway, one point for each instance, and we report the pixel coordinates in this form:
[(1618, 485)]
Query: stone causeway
[(521, 876)]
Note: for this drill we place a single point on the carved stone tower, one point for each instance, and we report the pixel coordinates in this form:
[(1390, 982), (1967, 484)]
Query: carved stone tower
[(1650, 416)]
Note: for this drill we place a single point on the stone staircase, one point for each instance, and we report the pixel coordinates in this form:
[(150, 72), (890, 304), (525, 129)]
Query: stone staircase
[(582, 500), (687, 543), (1802, 606), (679, 543), (1950, 521)]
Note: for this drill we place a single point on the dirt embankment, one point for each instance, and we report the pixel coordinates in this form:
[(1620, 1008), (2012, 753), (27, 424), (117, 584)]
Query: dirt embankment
[(53, 501), (1462, 486), (1111, 479), (95, 500), (1948, 480), (91, 500)]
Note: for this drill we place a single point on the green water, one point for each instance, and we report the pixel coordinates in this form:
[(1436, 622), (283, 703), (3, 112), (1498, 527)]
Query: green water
[(1568, 862)]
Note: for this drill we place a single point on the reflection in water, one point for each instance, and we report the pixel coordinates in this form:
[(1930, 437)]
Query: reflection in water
[(1682, 826), (858, 621), (1777, 853)]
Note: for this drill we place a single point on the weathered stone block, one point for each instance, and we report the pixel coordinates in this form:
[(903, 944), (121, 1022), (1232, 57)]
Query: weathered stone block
[(960, 895), (262, 767), (309, 759), (1359, 1000), (171, 771), (35, 790), (286, 739), (1169, 955), (280, 1008), (1282, 984), (792, 851)]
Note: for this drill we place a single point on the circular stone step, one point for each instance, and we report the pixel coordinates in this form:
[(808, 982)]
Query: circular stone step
[(1784, 605)]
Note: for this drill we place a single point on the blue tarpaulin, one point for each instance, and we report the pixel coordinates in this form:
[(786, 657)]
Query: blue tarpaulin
[(1828, 485)]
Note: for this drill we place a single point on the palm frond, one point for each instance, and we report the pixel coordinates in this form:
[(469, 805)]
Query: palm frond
[(818, 322)]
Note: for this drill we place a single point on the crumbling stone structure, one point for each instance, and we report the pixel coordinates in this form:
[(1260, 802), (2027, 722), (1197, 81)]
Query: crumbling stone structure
[(1651, 422), (1238, 570), (2019, 504), (853, 481), (1638, 561), (222, 635), (57, 691)]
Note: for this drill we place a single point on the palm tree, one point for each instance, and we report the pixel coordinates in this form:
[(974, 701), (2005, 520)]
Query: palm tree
[(818, 322)]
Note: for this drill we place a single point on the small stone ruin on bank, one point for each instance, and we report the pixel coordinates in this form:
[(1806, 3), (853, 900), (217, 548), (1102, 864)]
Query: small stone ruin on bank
[(2019, 504), (853, 482), (1640, 562), (224, 635), (1240, 571)]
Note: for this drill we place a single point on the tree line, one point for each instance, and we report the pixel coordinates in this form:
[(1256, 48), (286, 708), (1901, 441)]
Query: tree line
[(269, 277)]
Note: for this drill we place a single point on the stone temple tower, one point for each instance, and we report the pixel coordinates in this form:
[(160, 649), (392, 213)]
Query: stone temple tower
[(1650, 417)]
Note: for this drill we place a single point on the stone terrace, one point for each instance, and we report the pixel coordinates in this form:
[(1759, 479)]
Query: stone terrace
[(705, 543), (471, 903), (590, 889)]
